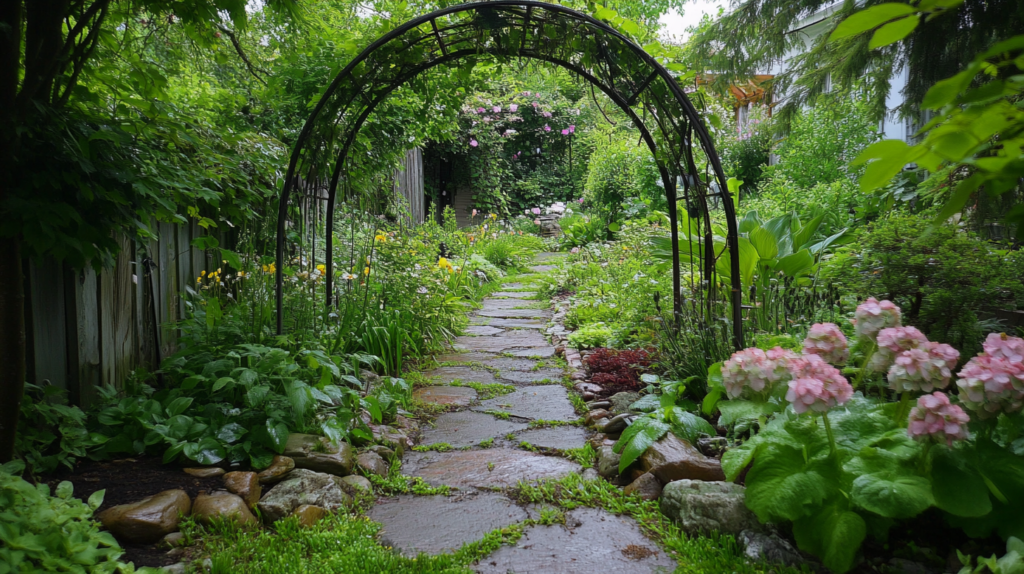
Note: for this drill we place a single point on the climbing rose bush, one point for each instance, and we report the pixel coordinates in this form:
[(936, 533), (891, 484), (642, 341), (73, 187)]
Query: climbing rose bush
[(936, 419), (828, 342), (873, 315)]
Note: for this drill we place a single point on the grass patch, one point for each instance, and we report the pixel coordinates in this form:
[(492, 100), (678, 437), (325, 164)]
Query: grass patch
[(487, 443), (695, 554), (486, 390), (398, 483), (527, 446), (436, 447), (544, 423), (503, 415), (585, 456)]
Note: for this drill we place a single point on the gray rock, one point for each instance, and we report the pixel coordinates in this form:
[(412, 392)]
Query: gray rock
[(621, 401), (372, 462), (616, 424), (599, 404), (357, 483), (701, 506), (303, 487), (770, 548), (672, 458), (590, 474), (148, 520), (172, 540), (713, 446), (646, 487), (607, 462), (319, 454), (178, 568)]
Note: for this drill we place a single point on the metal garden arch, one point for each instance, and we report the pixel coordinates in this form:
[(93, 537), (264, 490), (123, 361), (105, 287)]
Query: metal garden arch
[(667, 121)]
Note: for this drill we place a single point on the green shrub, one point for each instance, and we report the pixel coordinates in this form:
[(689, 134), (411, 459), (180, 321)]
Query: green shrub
[(477, 262), (590, 336), (43, 533), (943, 279), (51, 432), (618, 170)]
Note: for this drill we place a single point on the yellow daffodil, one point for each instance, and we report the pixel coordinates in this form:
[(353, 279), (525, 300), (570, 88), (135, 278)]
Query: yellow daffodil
[(203, 274), (199, 279)]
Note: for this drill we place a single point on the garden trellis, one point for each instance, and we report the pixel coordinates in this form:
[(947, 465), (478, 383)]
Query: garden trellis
[(508, 29)]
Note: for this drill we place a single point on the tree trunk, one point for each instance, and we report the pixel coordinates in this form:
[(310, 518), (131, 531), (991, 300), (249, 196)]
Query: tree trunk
[(12, 343)]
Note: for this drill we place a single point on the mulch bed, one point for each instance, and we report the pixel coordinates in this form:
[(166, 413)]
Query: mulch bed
[(130, 480)]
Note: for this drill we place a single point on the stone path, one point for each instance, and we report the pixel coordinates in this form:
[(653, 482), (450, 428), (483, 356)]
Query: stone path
[(502, 390)]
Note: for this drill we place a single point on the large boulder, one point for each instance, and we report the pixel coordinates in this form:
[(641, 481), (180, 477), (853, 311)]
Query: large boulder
[(673, 458), (148, 520), (701, 506), (319, 454), (303, 486), (246, 485), (222, 505)]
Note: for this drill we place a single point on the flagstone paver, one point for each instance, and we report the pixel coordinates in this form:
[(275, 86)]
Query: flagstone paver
[(505, 336)]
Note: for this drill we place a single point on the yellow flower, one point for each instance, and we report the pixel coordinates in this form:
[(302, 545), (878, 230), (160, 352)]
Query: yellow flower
[(381, 238), (493, 216), (218, 270), (366, 271), (203, 274), (321, 268), (443, 263), (241, 274), (199, 279)]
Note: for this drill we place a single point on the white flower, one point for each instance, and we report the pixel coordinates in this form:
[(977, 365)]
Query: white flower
[(422, 290)]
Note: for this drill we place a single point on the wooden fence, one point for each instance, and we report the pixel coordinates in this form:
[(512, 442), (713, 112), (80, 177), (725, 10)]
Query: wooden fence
[(88, 329)]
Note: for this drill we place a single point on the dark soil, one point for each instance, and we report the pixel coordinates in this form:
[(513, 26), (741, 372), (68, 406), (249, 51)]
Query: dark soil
[(130, 480)]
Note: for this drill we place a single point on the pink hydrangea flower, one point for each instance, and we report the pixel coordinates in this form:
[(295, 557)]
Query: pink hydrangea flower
[(922, 369), (810, 393), (935, 419), (990, 385), (536, 211), (565, 132), (755, 370), (513, 107), (536, 104), (473, 143), (572, 129), (814, 367), (1000, 345), (480, 110), (892, 341), (496, 109), (872, 316), (546, 114), (547, 128), (828, 342)]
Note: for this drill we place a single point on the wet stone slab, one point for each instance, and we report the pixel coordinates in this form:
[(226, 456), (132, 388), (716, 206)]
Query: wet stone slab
[(483, 330), (464, 374), (542, 268), (444, 395), (435, 524), (549, 256), (529, 377), (513, 285), (535, 314), (485, 468), (506, 364), (467, 428), (591, 540), (502, 304), (515, 294), (541, 402), (559, 438), (509, 323), (539, 352), (464, 357), (508, 340)]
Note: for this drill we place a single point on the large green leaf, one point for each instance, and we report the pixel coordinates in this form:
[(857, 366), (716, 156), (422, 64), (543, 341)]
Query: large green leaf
[(749, 222), (795, 264), (748, 260), (764, 242), (687, 425), (784, 485), (637, 437), (957, 487), (804, 235), (892, 494), (833, 534), (737, 411), (894, 31)]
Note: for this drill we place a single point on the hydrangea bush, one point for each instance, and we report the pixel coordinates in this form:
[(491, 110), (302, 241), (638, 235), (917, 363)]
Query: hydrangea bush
[(909, 433)]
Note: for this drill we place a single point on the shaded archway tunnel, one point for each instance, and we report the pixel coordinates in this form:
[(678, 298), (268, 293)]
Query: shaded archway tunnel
[(666, 119)]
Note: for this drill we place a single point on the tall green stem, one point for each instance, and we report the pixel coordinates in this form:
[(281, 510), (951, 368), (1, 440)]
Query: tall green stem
[(904, 409), (864, 367), (831, 437)]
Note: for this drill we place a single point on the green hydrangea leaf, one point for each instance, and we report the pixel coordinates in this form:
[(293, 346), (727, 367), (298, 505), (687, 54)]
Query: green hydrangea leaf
[(892, 494), (832, 534), (784, 485)]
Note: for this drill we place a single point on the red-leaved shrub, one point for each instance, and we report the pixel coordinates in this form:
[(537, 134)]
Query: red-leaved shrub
[(617, 370)]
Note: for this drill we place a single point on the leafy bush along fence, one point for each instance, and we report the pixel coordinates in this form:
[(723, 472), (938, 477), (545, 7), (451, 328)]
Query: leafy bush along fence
[(839, 473)]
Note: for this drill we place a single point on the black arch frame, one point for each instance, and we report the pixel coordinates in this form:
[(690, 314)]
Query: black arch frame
[(609, 72)]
